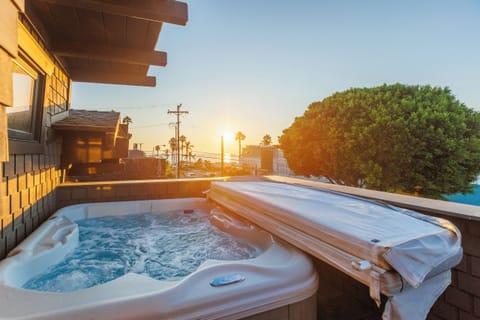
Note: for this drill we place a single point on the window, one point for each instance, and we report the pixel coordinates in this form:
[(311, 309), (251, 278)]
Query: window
[(25, 115)]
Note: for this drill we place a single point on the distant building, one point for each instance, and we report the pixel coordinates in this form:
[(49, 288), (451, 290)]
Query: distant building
[(280, 165), (95, 147), (139, 166), (265, 159), (136, 152), (93, 142), (144, 168), (251, 157)]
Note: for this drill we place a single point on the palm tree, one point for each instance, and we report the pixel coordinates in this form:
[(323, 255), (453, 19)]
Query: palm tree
[(157, 148), (266, 140), (187, 146), (182, 140), (191, 156), (173, 146), (127, 120), (188, 150), (239, 136)]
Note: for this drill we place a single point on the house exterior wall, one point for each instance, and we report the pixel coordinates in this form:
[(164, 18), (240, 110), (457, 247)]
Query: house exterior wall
[(29, 172), (8, 50)]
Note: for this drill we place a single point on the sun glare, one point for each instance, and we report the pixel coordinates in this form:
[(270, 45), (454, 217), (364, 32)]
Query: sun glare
[(227, 158), (227, 137)]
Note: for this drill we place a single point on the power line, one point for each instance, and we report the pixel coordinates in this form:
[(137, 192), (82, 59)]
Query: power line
[(114, 108), (149, 126), (177, 133)]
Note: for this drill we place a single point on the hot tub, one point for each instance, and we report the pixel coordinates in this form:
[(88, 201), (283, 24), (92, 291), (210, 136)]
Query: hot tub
[(278, 275)]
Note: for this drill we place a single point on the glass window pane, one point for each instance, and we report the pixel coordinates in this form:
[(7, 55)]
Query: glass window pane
[(20, 115)]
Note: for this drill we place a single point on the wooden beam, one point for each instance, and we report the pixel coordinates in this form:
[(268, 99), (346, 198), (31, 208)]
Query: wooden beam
[(34, 50), (20, 4), (82, 75), (153, 10), (109, 53), (41, 21)]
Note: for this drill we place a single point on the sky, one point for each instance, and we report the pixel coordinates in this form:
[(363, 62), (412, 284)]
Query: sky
[(253, 66)]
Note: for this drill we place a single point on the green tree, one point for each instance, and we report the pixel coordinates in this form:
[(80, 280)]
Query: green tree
[(393, 138), (266, 140), (239, 136)]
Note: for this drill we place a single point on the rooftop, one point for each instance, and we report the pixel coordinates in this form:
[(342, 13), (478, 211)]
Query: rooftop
[(87, 120), (106, 41)]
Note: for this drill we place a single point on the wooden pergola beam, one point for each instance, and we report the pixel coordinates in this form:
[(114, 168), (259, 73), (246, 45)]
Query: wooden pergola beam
[(153, 10), (109, 53), (82, 75)]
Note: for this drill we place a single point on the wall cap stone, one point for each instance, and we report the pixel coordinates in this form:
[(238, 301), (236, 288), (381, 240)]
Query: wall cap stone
[(452, 209)]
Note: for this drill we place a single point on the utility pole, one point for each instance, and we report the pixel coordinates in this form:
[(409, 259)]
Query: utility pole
[(222, 155), (177, 134)]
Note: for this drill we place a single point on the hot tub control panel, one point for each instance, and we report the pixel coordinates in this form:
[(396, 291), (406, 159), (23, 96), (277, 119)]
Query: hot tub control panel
[(226, 280)]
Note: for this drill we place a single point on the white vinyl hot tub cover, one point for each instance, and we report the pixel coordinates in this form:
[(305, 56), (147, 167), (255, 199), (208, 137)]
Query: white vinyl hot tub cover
[(422, 249)]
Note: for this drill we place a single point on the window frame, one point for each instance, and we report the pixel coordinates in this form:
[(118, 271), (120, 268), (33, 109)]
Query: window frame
[(30, 142)]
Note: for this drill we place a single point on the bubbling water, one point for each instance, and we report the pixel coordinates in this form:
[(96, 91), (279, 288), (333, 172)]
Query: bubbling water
[(167, 246)]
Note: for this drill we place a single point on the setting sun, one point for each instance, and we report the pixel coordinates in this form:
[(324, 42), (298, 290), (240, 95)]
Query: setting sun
[(227, 136)]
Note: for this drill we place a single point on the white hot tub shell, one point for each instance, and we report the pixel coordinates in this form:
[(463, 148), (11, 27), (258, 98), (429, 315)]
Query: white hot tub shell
[(279, 276)]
